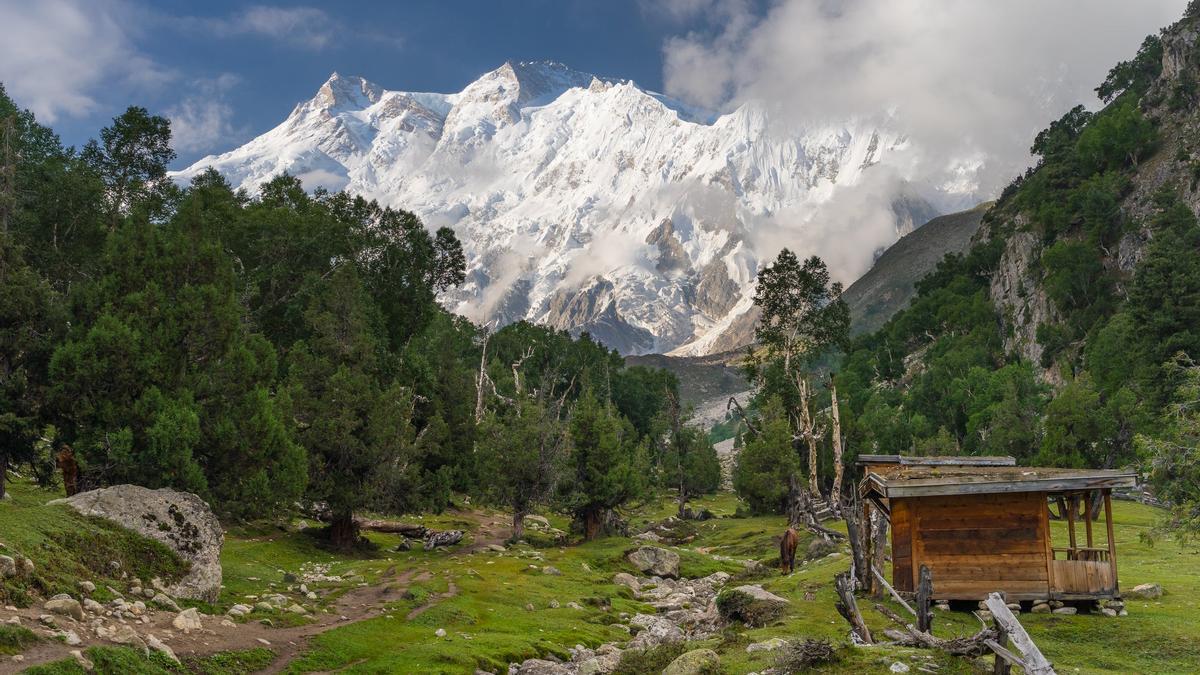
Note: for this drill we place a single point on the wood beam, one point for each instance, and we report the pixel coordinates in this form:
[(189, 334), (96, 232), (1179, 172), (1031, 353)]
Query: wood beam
[(1112, 544), (1087, 516)]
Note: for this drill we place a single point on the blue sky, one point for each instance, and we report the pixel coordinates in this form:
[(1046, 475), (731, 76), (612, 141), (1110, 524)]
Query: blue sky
[(967, 81), (227, 71)]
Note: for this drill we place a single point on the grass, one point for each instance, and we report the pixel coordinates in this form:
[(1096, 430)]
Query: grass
[(480, 599), (68, 548), (127, 661), (15, 639)]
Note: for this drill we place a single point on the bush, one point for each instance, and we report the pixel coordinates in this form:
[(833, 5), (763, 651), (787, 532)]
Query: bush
[(15, 639), (735, 605), (801, 657)]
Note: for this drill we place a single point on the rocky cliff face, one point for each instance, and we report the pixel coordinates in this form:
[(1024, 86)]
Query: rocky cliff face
[(1017, 288)]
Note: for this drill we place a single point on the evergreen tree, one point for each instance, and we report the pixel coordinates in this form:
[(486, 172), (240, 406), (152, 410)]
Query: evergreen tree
[(606, 467), (767, 463), (131, 159), (520, 455), (1174, 457)]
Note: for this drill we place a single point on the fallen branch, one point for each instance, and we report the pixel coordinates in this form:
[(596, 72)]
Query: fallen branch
[(959, 646), (891, 590)]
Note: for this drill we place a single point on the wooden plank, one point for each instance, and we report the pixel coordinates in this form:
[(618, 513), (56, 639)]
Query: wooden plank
[(982, 521), (924, 594), (1035, 662), (1004, 658), (1071, 502), (980, 547), (1044, 526), (895, 595), (1087, 518), (996, 534), (999, 572), (979, 589)]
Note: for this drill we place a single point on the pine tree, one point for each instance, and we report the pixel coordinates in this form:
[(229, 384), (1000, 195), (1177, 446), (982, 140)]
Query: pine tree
[(521, 451), (607, 465)]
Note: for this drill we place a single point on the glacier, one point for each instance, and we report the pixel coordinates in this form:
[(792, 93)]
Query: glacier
[(591, 204)]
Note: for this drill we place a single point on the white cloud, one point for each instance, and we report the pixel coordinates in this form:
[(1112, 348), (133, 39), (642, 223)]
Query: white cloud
[(304, 26), (57, 55), (203, 120), (962, 78)]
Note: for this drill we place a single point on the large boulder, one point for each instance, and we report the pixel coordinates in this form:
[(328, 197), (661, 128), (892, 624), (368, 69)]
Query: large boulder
[(656, 561), (65, 606), (695, 662), (752, 605), (8, 567), (180, 520)]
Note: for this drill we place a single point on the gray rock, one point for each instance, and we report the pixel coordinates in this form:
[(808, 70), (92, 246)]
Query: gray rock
[(92, 606), (819, 548), (87, 587), (123, 634), (899, 667), (554, 604), (751, 605), (8, 567), (441, 632), (1108, 612), (180, 520), (66, 607), (165, 602), (70, 637), (24, 566), (694, 662), (1066, 611), (655, 630), (1041, 608), (188, 620), (537, 521), (540, 667), (767, 646), (627, 579), (158, 646), (552, 571), (1144, 592), (83, 661), (297, 609), (656, 561)]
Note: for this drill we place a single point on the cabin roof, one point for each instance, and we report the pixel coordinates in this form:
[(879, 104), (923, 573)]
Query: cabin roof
[(961, 460), (926, 481)]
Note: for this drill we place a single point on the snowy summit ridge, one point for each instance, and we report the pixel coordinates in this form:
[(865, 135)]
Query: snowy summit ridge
[(586, 203)]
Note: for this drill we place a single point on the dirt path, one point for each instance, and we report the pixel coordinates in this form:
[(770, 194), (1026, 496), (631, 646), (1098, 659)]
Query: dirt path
[(357, 604)]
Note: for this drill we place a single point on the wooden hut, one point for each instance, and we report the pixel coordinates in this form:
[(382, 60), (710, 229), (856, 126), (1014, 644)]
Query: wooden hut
[(981, 527)]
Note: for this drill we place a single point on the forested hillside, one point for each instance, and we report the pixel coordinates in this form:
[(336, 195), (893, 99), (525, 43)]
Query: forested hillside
[(286, 349), (1062, 337)]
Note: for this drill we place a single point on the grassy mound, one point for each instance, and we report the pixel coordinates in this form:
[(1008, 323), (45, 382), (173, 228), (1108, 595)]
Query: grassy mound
[(67, 548), (126, 661)]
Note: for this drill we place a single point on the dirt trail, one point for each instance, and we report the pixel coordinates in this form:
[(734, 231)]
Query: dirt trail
[(356, 604)]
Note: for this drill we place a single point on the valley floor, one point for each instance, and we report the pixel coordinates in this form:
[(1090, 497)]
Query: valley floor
[(475, 607)]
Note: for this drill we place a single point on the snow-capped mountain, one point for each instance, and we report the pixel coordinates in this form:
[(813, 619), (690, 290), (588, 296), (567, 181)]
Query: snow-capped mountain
[(589, 203)]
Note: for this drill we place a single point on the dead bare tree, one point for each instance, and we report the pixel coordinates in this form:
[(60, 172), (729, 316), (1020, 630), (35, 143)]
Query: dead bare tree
[(835, 495)]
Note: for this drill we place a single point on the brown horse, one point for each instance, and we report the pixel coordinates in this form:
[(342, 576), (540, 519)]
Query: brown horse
[(69, 467), (787, 550)]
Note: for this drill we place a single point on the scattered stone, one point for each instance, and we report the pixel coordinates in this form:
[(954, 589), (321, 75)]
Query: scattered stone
[(496, 548), (438, 539), (165, 602), (24, 566), (1055, 604), (1108, 612), (540, 667), (158, 646), (751, 604), (537, 521), (1014, 606), (90, 605), (626, 579), (554, 604), (180, 520), (87, 587), (529, 607), (264, 607), (123, 634), (1041, 608), (1145, 592), (8, 567), (82, 660), (311, 595), (1066, 611), (655, 630), (297, 609), (552, 571), (767, 646), (656, 561), (68, 636), (65, 606), (942, 607), (17, 658), (226, 623), (574, 605), (441, 632), (188, 620), (985, 615), (898, 667), (648, 536), (1115, 604), (263, 641), (694, 662)]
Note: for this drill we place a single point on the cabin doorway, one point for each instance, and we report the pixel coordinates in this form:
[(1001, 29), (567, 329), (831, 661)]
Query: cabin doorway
[(1085, 567)]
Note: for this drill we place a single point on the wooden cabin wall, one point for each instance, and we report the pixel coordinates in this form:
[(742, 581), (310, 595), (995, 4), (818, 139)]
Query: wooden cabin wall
[(977, 544), (903, 578)]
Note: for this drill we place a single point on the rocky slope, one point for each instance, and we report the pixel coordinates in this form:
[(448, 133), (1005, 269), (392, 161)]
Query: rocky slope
[(593, 204), (889, 285)]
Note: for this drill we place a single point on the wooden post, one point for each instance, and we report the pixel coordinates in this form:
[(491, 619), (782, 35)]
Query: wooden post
[(879, 545), (1001, 666), (924, 596), (865, 578), (1112, 543), (1087, 518), (1071, 503), (847, 606), (1034, 661)]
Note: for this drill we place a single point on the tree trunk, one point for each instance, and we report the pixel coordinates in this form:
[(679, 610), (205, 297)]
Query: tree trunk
[(809, 429), (591, 524), (343, 531), (518, 522), (835, 497), (879, 532)]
